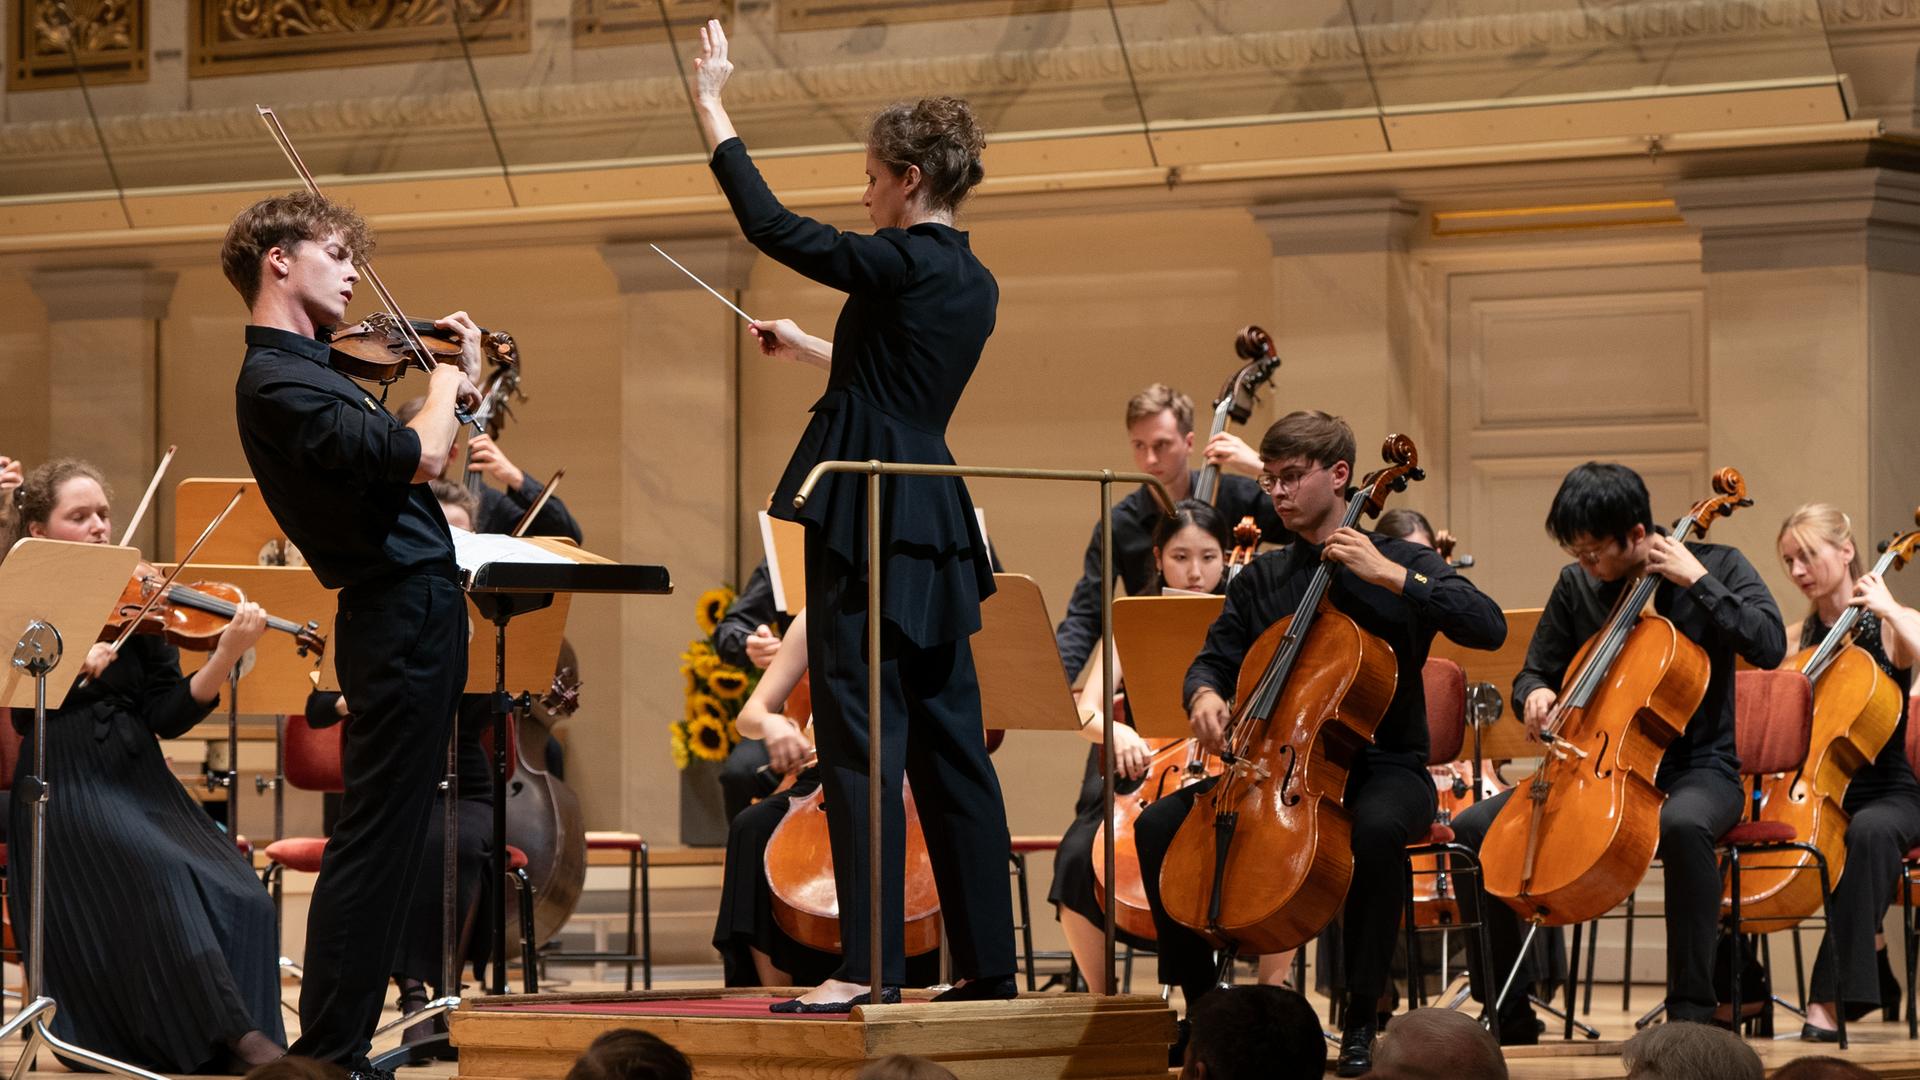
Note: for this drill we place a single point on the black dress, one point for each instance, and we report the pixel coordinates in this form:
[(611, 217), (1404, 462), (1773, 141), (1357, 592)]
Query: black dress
[(161, 943)]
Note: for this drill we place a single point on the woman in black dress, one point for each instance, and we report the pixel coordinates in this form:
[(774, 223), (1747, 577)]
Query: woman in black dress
[(919, 310), (164, 951), (1883, 800)]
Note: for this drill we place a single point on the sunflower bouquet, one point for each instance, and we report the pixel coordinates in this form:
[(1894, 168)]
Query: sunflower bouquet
[(715, 690)]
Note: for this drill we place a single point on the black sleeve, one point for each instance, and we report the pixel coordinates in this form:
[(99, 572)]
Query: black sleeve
[(1449, 603), (1742, 606), (325, 432), (500, 512), (842, 260), (751, 608), (1240, 621), (166, 696), (1080, 628), (323, 709), (1555, 641), (1240, 497)]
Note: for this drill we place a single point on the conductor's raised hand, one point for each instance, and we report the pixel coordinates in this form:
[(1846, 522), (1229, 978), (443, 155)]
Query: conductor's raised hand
[(711, 68), (781, 338)]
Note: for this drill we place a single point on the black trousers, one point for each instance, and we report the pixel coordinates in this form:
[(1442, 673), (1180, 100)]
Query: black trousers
[(744, 776), (1883, 828), (1701, 806), (401, 652), (1390, 805), (931, 732)]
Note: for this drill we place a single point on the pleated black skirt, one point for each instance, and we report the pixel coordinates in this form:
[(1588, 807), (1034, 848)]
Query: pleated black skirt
[(1074, 887), (160, 942)]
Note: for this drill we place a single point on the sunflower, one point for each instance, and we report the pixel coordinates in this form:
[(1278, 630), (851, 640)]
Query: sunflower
[(712, 607), (693, 683), (706, 666), (677, 744), (728, 683), (705, 707), (707, 738)]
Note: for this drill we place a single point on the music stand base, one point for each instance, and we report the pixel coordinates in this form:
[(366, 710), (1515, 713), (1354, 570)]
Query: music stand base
[(423, 1051)]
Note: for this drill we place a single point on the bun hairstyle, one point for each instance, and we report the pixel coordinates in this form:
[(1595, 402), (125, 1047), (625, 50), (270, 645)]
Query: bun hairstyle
[(34, 500), (941, 136)]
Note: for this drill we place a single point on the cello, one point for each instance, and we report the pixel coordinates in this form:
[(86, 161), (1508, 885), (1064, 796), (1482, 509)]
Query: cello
[(1856, 708), (1263, 862), (1627, 695)]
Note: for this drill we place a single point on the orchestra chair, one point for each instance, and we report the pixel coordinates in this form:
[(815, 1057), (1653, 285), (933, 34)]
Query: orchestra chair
[(1021, 847), (1773, 724), (1446, 692), (1908, 868), (313, 764), (639, 900)]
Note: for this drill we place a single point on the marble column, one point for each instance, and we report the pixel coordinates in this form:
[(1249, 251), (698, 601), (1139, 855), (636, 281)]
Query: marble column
[(103, 371), (677, 477), (1813, 300)]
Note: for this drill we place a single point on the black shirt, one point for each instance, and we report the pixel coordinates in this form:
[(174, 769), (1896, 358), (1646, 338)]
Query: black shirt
[(751, 608), (1435, 600), (501, 511), (144, 682), (1134, 519), (1889, 769), (335, 468), (1727, 612)]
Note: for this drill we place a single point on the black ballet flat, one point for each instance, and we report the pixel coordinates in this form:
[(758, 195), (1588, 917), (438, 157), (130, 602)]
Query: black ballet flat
[(1002, 988), (1811, 1033), (889, 995)]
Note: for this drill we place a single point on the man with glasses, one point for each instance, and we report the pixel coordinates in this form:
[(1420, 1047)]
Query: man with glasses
[(1398, 591), (1160, 431), (1602, 517)]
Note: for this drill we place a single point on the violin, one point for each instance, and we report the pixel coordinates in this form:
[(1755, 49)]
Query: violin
[(1856, 707), (1584, 836), (376, 349), (799, 864), (194, 616), (1237, 398), (1263, 861)]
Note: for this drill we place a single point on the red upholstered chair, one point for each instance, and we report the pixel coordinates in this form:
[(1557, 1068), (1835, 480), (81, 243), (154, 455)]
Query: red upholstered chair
[(639, 901), (1022, 846), (1773, 723), (313, 764), (1446, 693)]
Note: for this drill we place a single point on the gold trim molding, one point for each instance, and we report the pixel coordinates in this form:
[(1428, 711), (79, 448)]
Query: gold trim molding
[(630, 22), (111, 40), (839, 14), (231, 37)]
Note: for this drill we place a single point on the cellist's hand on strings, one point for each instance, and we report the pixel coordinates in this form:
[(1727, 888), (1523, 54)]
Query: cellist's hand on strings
[(1870, 592), (99, 657), (1352, 549), (1208, 715), (1670, 559), (1538, 707), (1230, 451)]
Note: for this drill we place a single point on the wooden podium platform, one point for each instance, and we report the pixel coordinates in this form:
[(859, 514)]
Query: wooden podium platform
[(729, 1035)]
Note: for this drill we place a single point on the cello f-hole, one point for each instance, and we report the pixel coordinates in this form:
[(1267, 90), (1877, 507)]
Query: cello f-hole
[(1600, 771), (1289, 795)]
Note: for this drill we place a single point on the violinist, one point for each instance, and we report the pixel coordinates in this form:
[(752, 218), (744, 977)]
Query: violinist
[(1160, 434), (346, 481), (502, 504), (1883, 800), (1601, 516), (142, 880), (1189, 553), (1399, 592), (919, 311)]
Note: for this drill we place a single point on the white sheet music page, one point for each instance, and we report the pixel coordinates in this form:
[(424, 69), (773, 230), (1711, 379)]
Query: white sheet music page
[(474, 550)]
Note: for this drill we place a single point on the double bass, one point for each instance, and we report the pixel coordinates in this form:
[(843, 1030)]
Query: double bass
[(1237, 399), (1856, 707), (1585, 835), (1263, 861)]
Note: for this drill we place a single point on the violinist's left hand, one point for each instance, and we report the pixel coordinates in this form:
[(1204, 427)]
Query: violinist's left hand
[(484, 457), (469, 332), (1352, 549), (248, 625), (1230, 451), (1671, 560)]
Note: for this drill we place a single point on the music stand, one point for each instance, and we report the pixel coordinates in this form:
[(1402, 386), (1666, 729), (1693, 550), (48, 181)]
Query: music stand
[(44, 585), (1018, 664), (1155, 639)]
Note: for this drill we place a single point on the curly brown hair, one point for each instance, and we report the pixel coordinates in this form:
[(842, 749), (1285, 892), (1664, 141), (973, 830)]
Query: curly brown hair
[(941, 136), (282, 222), (34, 500)]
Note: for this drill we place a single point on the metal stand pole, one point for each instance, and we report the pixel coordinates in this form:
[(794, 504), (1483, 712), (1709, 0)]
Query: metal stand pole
[(229, 778), (876, 969), (37, 653), (497, 864), (1109, 928)]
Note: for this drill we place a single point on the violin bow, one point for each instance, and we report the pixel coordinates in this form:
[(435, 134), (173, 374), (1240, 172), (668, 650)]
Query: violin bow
[(146, 500), (392, 306), (539, 504)]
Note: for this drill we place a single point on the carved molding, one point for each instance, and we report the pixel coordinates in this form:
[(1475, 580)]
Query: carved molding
[(837, 14), (109, 35), (627, 22), (226, 37), (1850, 217)]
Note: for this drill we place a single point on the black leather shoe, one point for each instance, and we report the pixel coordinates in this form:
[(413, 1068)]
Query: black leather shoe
[(1356, 1050), (993, 988), (889, 995), (1177, 1053), (1810, 1033)]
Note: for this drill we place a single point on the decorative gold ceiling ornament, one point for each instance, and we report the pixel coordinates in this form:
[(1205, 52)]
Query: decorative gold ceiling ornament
[(230, 37), (109, 35), (834, 14), (630, 22)]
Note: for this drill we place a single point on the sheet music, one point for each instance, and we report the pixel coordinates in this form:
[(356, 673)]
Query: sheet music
[(474, 550)]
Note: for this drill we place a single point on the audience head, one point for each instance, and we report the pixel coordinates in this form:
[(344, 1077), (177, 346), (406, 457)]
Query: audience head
[(1822, 1068), (631, 1054), (1190, 548), (1244, 1032), (905, 1067), (295, 1067), (1438, 1044), (1682, 1051)]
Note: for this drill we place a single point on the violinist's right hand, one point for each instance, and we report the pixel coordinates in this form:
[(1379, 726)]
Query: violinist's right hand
[(762, 646), (98, 659), (1208, 714), (465, 393), (1539, 706), (787, 746)]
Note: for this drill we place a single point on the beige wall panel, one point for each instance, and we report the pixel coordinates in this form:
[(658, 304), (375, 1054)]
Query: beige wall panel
[(23, 371), (1893, 436), (1590, 359)]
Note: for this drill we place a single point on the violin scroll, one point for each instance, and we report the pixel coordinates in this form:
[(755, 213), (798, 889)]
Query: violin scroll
[(1403, 466), (1732, 488)]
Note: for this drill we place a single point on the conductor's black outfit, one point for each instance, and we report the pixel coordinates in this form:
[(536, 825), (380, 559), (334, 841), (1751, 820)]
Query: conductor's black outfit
[(1389, 795), (337, 471), (919, 309)]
